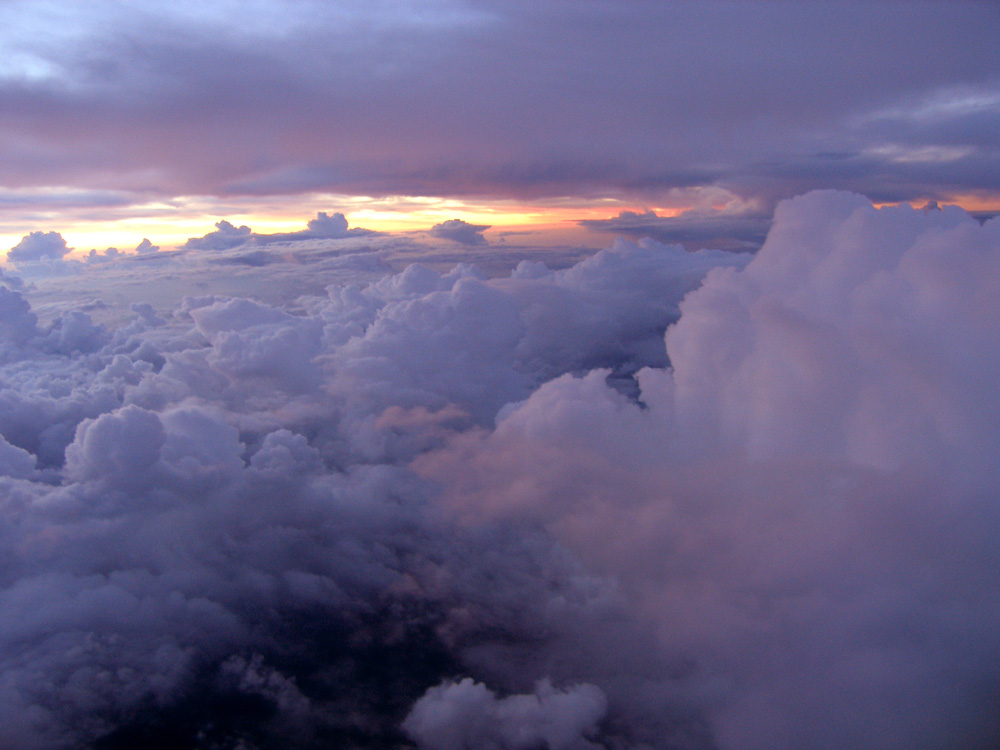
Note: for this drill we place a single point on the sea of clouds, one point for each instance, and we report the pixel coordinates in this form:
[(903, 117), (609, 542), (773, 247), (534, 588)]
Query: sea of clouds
[(647, 499)]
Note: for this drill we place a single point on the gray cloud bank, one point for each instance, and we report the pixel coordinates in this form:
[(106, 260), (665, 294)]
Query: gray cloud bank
[(226, 236), (500, 99), (730, 230), (656, 499)]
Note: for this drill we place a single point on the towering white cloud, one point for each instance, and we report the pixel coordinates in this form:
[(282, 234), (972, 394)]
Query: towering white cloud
[(803, 502)]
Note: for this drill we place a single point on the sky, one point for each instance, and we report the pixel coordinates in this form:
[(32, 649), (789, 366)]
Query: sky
[(518, 376), (122, 120)]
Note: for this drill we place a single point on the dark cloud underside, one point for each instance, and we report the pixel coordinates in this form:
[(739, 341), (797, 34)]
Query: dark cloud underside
[(499, 99)]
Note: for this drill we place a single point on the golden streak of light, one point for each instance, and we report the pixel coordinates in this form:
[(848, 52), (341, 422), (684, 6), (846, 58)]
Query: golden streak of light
[(969, 202), (169, 223)]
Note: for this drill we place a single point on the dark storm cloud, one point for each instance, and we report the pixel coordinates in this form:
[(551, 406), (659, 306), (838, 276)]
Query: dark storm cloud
[(496, 98)]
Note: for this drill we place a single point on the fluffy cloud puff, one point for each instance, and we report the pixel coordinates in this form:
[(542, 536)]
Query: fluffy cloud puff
[(39, 246), (227, 236), (467, 714), (224, 237), (802, 503), (461, 232)]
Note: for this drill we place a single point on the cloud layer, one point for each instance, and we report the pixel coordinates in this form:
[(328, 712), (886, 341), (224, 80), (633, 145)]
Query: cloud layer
[(208, 510), (476, 97), (443, 507), (803, 504)]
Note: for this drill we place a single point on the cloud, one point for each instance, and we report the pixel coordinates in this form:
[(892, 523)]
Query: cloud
[(145, 247), (653, 498), (13, 282), (725, 230), (15, 462), (17, 321), (788, 499), (328, 226), (323, 227), (112, 253), (467, 714), (225, 236), (167, 581), (39, 246), (461, 232)]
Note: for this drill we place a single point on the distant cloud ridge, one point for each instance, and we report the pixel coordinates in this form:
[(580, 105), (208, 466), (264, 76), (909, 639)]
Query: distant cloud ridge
[(39, 246), (461, 232)]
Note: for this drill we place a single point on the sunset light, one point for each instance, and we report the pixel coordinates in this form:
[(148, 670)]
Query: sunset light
[(499, 375)]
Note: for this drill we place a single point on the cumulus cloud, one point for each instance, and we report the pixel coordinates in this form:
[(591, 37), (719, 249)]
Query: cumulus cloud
[(655, 499), (38, 246), (153, 454), (15, 462), (788, 500), (466, 714), (461, 232), (112, 253), (323, 227), (225, 236), (17, 322), (739, 230), (145, 247), (809, 115), (11, 281)]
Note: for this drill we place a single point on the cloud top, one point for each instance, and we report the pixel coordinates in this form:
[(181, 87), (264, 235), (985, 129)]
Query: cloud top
[(826, 416), (39, 246), (461, 232)]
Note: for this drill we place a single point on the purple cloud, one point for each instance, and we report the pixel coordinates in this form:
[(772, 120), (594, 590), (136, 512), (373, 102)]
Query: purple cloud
[(39, 246), (461, 232), (751, 497), (145, 247), (225, 237), (323, 227), (558, 104), (726, 230)]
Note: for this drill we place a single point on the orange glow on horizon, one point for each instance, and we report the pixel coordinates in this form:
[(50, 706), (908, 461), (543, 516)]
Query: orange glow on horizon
[(970, 203), (170, 224)]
